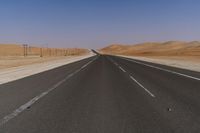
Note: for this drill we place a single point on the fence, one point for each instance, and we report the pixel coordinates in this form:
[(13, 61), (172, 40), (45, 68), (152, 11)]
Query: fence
[(26, 50)]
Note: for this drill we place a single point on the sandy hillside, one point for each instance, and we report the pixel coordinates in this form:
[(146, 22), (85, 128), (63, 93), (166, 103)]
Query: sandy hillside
[(179, 54), (171, 48)]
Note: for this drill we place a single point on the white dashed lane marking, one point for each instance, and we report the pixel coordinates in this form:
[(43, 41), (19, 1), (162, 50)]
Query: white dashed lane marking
[(137, 82), (151, 94), (122, 69), (18, 111)]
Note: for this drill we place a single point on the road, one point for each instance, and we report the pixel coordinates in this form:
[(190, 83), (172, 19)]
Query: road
[(103, 94)]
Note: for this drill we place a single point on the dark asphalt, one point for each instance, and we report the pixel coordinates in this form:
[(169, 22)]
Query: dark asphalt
[(101, 98)]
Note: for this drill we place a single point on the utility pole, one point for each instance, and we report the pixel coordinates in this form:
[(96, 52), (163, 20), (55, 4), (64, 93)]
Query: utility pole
[(41, 54), (25, 47)]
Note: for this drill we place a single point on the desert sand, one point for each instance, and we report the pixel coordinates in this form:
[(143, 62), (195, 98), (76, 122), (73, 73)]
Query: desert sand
[(12, 55), (15, 73), (18, 50), (179, 54), (171, 48), (189, 63)]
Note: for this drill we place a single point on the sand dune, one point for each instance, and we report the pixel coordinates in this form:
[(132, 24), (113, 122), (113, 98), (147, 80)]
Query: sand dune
[(171, 48), (179, 54)]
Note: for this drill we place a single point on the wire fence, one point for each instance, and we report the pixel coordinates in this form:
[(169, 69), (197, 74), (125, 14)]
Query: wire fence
[(27, 50)]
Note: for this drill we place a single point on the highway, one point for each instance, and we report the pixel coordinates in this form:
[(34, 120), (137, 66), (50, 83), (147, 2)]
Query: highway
[(103, 94)]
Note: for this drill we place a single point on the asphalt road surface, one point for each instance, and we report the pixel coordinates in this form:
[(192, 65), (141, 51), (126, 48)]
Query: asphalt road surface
[(103, 94)]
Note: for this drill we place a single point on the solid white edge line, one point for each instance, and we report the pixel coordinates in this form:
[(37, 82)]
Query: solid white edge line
[(18, 111), (159, 68), (151, 94)]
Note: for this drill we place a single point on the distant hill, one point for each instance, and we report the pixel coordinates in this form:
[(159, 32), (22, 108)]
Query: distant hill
[(170, 48)]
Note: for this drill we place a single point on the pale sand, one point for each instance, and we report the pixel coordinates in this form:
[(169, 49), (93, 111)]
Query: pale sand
[(9, 62), (190, 63), (15, 73)]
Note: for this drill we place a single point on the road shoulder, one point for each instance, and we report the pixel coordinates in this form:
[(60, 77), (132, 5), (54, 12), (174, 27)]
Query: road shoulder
[(187, 64)]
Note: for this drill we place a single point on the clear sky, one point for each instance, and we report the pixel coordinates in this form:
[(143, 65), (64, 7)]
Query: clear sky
[(97, 23)]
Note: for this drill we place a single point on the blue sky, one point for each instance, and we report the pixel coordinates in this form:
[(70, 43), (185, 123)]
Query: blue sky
[(97, 23)]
